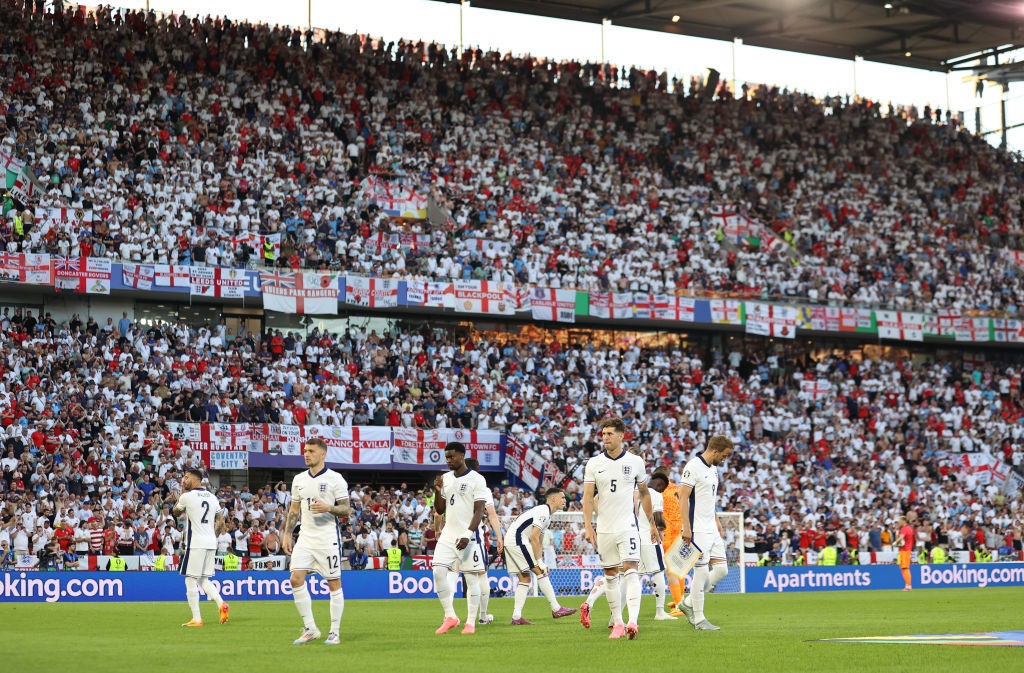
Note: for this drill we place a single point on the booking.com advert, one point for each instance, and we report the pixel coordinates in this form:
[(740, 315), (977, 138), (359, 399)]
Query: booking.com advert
[(57, 587), (847, 578)]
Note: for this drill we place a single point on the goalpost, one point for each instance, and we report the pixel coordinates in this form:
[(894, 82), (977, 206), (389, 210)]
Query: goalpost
[(574, 563)]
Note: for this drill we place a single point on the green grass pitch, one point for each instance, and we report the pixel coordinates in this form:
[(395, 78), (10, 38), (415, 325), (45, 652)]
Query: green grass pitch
[(760, 632)]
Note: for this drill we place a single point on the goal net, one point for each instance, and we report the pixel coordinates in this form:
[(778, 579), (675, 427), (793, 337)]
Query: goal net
[(574, 562)]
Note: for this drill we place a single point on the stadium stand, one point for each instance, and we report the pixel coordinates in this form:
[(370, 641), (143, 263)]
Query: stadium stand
[(186, 136), (186, 139)]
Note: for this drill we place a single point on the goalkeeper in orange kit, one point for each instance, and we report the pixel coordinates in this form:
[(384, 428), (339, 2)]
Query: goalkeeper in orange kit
[(673, 524)]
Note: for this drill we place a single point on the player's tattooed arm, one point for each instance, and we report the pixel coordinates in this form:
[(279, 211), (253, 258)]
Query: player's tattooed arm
[(341, 508), (292, 520), (218, 523)]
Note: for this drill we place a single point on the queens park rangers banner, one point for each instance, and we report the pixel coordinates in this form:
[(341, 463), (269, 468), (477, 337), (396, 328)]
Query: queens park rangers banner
[(484, 296), (315, 293), (356, 445), (371, 292)]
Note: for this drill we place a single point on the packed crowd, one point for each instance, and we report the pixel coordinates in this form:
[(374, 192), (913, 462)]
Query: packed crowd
[(184, 136), (84, 406)]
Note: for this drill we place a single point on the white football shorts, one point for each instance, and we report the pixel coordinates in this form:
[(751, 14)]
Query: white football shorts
[(711, 546), (651, 559), (618, 548), (471, 559), (197, 563), (326, 561)]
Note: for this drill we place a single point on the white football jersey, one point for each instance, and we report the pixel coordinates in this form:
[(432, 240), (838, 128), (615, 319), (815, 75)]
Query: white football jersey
[(483, 520), (703, 478), (615, 480), (461, 495), (201, 509), (319, 531), (522, 528), (657, 505)]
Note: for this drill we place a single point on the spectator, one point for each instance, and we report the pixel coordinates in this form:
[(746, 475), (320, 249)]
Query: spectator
[(358, 559)]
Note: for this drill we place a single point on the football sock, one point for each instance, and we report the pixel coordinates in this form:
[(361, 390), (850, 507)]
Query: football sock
[(337, 608), (472, 584), (718, 571), (659, 592), (906, 576), (549, 591), (622, 595), (611, 592), (444, 591), (485, 595), (522, 591), (700, 578), (675, 588), (453, 583), (192, 592), (633, 591), (596, 592), (211, 591), (304, 605)]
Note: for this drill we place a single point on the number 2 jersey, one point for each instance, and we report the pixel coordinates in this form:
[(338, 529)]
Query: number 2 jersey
[(615, 479), (319, 531), (201, 509)]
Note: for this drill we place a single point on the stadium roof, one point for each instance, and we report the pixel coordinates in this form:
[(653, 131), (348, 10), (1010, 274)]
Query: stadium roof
[(936, 33)]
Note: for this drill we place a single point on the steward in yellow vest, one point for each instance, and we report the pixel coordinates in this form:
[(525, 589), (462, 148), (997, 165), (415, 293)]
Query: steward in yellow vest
[(829, 555), (231, 561), (161, 562), (394, 556)]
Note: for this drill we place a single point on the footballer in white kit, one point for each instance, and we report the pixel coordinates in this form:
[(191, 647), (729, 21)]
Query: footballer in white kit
[(491, 517), (460, 495), (203, 523), (613, 475), (698, 492), (523, 556), (319, 498), (651, 559), (319, 546)]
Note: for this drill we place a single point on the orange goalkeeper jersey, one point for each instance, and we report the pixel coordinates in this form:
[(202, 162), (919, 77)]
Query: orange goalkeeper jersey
[(673, 517)]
